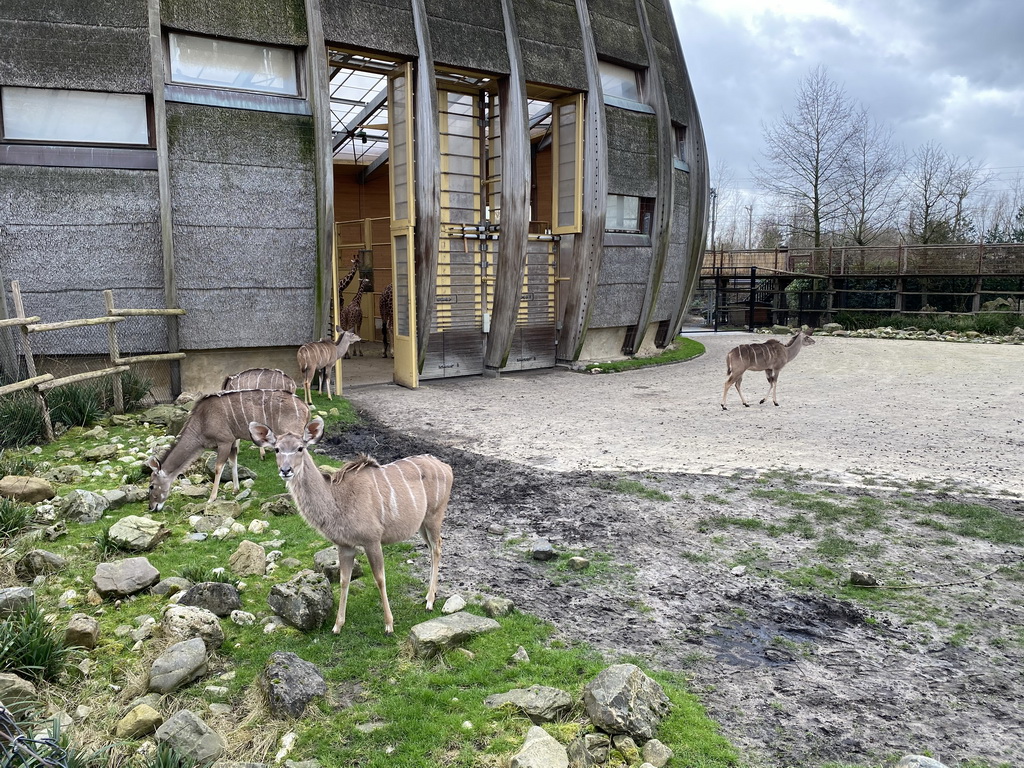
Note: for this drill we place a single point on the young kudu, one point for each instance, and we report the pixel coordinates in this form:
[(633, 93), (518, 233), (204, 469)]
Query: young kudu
[(318, 355), (364, 504), (219, 421), (770, 357)]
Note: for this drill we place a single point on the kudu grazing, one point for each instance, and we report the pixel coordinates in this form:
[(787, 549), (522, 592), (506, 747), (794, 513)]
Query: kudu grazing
[(260, 378), (317, 355), (770, 357), (219, 421), (363, 504)]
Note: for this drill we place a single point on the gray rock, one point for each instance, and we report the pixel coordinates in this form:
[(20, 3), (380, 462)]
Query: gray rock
[(116, 498), (170, 585), (326, 562), (829, 328), (185, 622), (278, 506), (188, 735), (540, 703), (15, 600), (101, 453), (83, 506), (134, 493), (304, 602), (141, 721), (446, 632), (250, 559), (223, 508), (30, 490), (290, 683), (626, 747), (82, 631), (656, 753), (218, 597), (124, 577), (64, 474), (244, 473), (453, 604), (589, 750), (38, 562), (622, 699), (210, 523), (497, 607), (540, 751), (863, 579), (162, 415), (137, 534), (179, 665), (578, 563), (18, 695), (918, 761), (542, 550)]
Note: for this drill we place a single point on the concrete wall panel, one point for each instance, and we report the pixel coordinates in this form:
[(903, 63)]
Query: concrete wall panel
[(279, 22), (375, 25)]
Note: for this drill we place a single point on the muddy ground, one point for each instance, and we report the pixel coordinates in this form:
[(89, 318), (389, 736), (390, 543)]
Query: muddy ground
[(738, 576)]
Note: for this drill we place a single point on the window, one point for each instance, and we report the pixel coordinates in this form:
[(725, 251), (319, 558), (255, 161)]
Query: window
[(50, 115), (629, 214), (213, 63), (620, 82), (679, 147)]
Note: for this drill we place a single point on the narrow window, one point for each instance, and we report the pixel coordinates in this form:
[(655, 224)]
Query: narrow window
[(50, 115), (233, 65), (619, 82), (679, 150)]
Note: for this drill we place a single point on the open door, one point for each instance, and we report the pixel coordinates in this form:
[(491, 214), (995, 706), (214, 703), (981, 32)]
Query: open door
[(403, 217)]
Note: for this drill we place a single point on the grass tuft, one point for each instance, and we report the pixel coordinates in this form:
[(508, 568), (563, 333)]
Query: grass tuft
[(31, 648)]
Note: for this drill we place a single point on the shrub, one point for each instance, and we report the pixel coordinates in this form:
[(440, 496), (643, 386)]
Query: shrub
[(30, 647), (75, 405), (198, 574), (21, 420), (13, 518), (134, 391), (166, 756), (15, 465)]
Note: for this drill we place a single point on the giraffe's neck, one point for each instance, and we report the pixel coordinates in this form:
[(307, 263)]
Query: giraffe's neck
[(348, 278)]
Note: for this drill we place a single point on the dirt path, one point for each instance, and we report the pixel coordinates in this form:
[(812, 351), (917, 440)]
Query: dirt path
[(897, 458)]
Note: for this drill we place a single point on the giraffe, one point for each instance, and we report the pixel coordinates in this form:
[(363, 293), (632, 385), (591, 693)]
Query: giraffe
[(344, 282), (387, 316), (352, 316)]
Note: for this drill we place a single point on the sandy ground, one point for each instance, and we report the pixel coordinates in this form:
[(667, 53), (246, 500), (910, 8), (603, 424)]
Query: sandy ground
[(911, 410)]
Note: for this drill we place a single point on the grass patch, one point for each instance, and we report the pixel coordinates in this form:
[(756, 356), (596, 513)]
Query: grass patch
[(979, 521), (681, 349), (633, 488), (30, 647), (13, 518)]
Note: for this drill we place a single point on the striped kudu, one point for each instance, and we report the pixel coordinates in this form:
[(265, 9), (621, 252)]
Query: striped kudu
[(770, 357), (260, 378), (219, 421), (364, 504), (318, 355)]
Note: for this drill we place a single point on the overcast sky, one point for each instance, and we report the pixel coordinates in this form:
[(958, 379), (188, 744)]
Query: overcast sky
[(949, 71)]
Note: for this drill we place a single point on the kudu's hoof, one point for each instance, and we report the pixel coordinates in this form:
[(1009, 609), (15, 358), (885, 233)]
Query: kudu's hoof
[(746, 405), (724, 408)]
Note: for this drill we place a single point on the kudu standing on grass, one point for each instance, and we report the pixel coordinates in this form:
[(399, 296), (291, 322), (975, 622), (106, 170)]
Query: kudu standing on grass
[(318, 355), (770, 357), (260, 378), (219, 421), (363, 504)]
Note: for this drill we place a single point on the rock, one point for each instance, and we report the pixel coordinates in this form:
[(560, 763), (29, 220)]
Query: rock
[(83, 506), (137, 534), (578, 563), (781, 330), (170, 585), (179, 665), (832, 327), (304, 602), (290, 683), (189, 736), (223, 508), (101, 453), (626, 747), (64, 474), (589, 750), (116, 498), (622, 699), (30, 490), (162, 415), (542, 550), (441, 634), (185, 622), (18, 695), (15, 600), (140, 722), (278, 506), (497, 607), (134, 493), (656, 753), (244, 473), (453, 604), (218, 597), (124, 577), (326, 562), (540, 751), (250, 559), (918, 761), (38, 562), (538, 702), (82, 631), (863, 579)]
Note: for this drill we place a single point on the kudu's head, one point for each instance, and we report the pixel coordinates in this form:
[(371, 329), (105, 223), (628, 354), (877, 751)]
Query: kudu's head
[(159, 484), (289, 448), (344, 340)]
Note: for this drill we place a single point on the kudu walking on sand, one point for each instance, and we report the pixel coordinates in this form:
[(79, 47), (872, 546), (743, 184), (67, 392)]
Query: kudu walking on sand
[(219, 421), (363, 504), (318, 355), (770, 357), (260, 378)]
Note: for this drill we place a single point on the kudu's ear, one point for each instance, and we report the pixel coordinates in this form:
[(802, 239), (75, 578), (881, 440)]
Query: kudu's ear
[(262, 435), (314, 431), (153, 463)]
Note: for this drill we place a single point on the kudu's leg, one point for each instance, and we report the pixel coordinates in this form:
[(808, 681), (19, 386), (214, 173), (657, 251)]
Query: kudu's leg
[(772, 377), (431, 533), (346, 558), (375, 555), (224, 452)]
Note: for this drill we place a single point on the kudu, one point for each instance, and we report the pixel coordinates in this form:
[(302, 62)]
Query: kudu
[(364, 504), (770, 357), (219, 421), (260, 378), (317, 355)]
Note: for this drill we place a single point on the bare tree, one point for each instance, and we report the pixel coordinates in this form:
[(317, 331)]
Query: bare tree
[(938, 185), (873, 200), (807, 153)]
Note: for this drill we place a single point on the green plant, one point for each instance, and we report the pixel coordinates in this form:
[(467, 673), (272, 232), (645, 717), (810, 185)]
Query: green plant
[(75, 757), (13, 517), (21, 420), (15, 465), (681, 349), (30, 647), (105, 547), (134, 391), (165, 756), (75, 405), (199, 574), (633, 488)]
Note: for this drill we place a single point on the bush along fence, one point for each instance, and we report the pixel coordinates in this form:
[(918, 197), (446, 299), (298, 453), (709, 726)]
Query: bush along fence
[(40, 384)]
